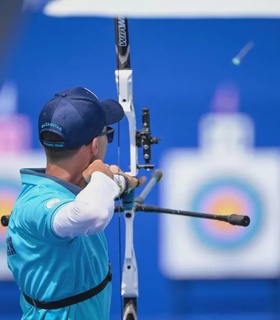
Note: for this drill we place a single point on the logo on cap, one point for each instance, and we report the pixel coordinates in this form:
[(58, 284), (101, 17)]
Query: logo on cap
[(51, 124)]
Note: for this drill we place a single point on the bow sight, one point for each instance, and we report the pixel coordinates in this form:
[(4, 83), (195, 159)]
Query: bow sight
[(145, 139)]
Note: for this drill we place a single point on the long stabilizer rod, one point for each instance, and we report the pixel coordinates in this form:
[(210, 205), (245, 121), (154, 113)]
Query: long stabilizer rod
[(234, 219)]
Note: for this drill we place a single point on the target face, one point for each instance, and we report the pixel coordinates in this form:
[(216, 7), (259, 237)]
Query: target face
[(225, 196)]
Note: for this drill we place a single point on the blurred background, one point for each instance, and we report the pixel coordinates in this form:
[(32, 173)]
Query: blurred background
[(210, 74)]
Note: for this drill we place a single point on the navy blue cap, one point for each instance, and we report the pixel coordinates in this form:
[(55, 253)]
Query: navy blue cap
[(77, 116)]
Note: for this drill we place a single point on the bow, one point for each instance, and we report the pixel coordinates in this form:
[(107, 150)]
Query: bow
[(137, 138), (123, 76)]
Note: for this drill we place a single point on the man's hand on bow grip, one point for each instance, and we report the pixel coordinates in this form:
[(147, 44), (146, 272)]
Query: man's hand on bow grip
[(133, 181), (100, 166)]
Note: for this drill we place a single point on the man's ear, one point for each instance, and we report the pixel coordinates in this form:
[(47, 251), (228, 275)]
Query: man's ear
[(94, 146)]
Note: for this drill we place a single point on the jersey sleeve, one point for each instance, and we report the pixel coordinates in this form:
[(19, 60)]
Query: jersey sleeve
[(38, 215)]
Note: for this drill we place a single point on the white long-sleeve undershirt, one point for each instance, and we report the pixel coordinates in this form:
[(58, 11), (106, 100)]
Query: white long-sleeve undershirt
[(91, 211)]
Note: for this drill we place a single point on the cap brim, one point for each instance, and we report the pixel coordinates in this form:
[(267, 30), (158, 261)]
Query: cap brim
[(114, 111)]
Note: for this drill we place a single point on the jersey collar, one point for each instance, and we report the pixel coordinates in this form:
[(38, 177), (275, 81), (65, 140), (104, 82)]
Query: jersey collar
[(34, 174)]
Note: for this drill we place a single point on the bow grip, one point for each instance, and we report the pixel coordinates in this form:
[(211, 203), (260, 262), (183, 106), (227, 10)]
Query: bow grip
[(128, 200)]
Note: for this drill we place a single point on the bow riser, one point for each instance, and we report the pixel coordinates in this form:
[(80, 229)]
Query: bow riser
[(124, 86), (130, 271)]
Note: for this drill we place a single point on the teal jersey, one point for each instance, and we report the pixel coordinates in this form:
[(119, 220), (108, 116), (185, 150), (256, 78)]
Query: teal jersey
[(47, 267)]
